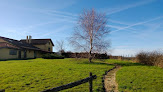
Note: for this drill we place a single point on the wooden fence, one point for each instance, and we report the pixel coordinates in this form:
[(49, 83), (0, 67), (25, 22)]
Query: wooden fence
[(70, 85), (73, 84), (2, 90)]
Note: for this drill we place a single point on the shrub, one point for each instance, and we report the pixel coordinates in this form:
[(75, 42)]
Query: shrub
[(150, 58), (52, 56)]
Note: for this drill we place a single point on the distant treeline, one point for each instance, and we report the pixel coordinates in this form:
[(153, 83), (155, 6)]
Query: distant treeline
[(95, 55), (84, 55)]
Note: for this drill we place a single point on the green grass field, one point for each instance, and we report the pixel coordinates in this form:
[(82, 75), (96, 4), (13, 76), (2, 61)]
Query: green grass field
[(39, 74), (135, 77)]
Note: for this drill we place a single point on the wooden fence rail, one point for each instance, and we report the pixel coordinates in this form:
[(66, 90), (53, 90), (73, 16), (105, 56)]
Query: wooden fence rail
[(73, 84), (2, 90)]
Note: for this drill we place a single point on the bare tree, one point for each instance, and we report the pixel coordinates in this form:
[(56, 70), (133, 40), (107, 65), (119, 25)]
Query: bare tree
[(60, 46), (90, 33)]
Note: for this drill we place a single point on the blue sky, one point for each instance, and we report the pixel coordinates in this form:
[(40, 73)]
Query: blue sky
[(135, 24)]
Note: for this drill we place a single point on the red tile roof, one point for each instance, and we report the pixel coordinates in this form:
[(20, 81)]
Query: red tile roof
[(7, 45), (19, 44)]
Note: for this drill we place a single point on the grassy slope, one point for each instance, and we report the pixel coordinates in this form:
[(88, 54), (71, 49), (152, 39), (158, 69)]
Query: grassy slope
[(39, 74), (135, 77)]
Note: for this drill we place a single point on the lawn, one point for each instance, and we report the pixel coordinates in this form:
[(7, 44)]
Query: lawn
[(135, 77), (39, 74)]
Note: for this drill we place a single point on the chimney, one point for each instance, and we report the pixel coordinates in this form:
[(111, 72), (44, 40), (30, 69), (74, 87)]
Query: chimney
[(30, 37), (27, 40)]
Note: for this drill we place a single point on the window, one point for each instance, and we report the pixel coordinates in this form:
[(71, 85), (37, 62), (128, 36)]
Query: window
[(13, 52), (48, 49)]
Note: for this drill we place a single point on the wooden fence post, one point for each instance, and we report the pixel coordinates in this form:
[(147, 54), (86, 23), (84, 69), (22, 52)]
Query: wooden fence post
[(90, 83), (2, 90)]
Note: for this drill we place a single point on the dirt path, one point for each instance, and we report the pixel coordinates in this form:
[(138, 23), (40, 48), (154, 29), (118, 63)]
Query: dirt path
[(110, 80)]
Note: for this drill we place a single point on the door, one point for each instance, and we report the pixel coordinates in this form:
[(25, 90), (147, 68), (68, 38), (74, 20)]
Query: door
[(25, 54), (19, 54), (35, 54)]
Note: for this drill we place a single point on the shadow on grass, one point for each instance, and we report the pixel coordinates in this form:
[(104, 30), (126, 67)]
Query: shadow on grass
[(16, 59), (129, 64), (96, 63), (121, 63)]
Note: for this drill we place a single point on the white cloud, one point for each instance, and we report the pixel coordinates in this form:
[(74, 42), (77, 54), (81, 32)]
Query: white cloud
[(118, 22), (55, 13), (124, 52), (59, 30), (139, 23), (125, 7), (131, 52)]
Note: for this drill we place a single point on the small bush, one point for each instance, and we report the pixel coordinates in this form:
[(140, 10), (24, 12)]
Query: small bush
[(150, 58), (52, 56)]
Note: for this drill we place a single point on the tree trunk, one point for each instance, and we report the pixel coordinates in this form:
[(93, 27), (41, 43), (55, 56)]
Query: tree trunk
[(90, 56), (91, 47)]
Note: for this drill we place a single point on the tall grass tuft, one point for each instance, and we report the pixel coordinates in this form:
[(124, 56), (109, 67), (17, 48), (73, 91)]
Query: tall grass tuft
[(150, 58)]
